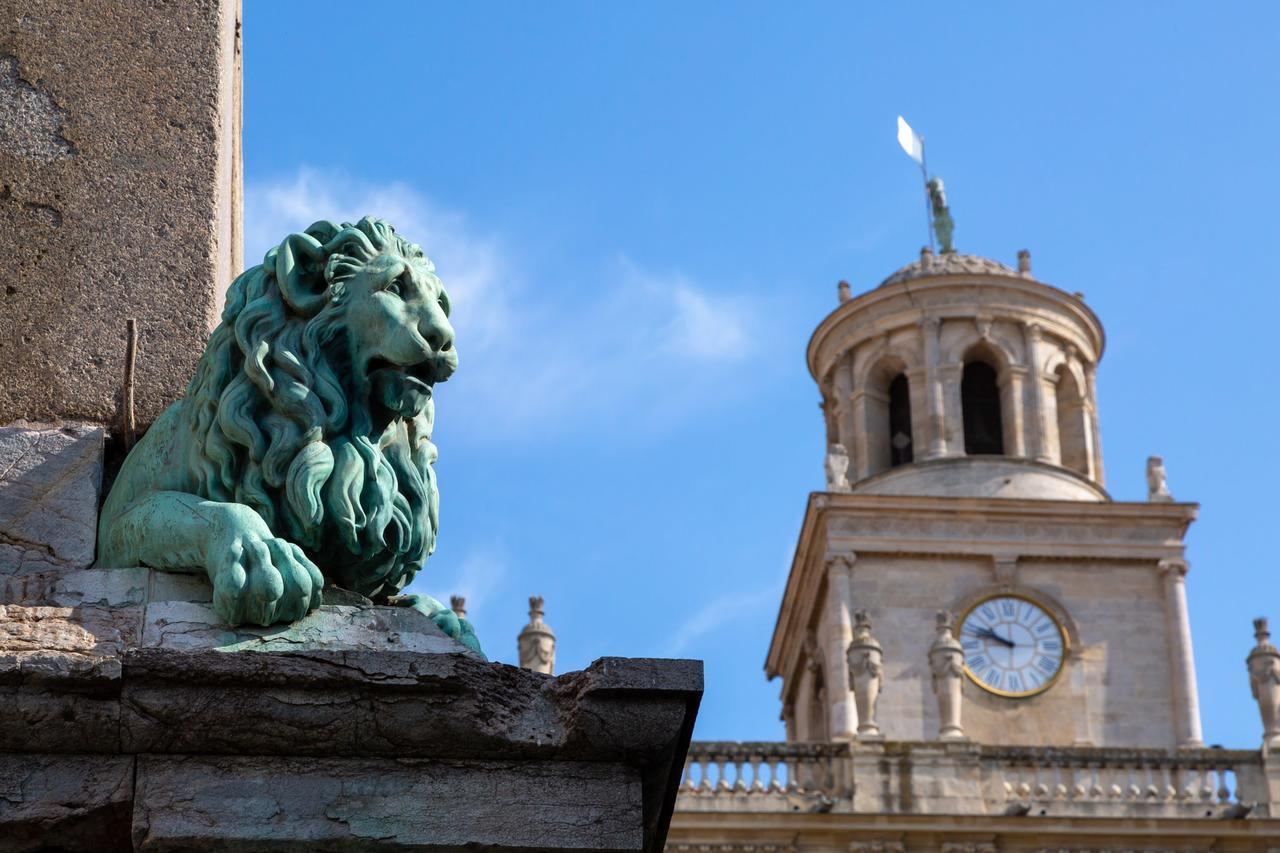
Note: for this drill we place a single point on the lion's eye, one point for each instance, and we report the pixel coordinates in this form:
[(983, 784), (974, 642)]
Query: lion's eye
[(444, 305), (396, 287)]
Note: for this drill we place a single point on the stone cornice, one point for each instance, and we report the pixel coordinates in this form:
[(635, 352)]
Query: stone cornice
[(922, 300)]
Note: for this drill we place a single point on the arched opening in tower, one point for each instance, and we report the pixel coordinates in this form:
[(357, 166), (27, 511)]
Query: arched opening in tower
[(980, 400), (900, 451), (1072, 423)]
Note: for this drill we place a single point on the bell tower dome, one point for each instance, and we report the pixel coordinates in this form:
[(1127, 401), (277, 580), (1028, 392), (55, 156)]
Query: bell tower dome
[(959, 376)]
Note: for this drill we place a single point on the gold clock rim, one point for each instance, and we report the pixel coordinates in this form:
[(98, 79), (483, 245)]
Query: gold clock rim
[(1057, 623)]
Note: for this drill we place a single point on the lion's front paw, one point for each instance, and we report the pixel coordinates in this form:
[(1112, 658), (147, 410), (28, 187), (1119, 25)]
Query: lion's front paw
[(264, 580)]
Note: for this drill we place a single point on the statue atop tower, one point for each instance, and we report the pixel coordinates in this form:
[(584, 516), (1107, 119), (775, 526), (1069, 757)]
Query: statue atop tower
[(943, 224)]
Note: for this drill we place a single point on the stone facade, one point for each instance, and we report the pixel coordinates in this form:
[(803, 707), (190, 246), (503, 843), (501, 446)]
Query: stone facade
[(904, 558)]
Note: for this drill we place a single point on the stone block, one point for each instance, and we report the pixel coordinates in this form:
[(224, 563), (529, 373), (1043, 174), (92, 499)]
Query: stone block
[(66, 802), (119, 198), (50, 483), (335, 804)]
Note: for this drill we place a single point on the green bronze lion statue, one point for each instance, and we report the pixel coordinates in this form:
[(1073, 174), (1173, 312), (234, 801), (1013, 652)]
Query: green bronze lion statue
[(301, 453)]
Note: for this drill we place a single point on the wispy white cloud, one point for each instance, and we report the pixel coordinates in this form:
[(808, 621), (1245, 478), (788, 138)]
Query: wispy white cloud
[(642, 347), (721, 610)]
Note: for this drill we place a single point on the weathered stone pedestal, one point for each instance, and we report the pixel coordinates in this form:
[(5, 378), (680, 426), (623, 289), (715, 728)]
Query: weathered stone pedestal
[(130, 721)]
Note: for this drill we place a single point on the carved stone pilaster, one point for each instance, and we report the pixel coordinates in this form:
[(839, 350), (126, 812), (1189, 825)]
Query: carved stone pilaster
[(866, 673), (946, 663), (1186, 699), (1264, 680)]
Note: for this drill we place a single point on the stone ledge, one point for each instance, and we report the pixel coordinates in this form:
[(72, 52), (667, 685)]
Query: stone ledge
[(322, 737), (101, 612)]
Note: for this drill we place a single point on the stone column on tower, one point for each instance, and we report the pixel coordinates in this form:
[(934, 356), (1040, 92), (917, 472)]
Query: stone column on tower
[(1038, 431), (842, 716), (1186, 699), (937, 426)]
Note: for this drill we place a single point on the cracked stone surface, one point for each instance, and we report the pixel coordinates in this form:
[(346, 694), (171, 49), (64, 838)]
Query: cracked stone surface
[(50, 482), (356, 804)]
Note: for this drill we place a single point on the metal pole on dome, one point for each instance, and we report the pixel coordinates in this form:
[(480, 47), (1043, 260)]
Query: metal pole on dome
[(913, 144), (928, 200)]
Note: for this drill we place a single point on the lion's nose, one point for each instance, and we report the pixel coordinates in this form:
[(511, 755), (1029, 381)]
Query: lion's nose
[(439, 335)]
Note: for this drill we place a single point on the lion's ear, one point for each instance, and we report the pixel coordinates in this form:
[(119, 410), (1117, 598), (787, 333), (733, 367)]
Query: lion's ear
[(300, 273)]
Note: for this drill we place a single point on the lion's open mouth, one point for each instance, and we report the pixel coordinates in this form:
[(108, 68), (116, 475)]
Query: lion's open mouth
[(421, 376)]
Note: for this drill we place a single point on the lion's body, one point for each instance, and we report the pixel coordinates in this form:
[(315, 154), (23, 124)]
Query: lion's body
[(303, 444)]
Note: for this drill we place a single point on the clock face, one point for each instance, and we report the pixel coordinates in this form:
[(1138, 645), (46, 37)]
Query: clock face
[(1012, 646)]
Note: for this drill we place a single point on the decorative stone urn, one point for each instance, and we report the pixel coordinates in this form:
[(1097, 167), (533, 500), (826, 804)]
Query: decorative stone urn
[(946, 661), (1264, 679), (866, 668), (537, 642)]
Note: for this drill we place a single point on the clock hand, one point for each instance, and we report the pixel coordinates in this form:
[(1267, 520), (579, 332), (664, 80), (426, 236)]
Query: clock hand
[(987, 632)]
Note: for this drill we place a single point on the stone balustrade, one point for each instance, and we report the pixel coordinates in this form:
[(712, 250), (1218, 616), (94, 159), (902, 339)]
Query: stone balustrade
[(966, 778)]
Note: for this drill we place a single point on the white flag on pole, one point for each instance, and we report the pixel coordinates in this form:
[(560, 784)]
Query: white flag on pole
[(912, 144)]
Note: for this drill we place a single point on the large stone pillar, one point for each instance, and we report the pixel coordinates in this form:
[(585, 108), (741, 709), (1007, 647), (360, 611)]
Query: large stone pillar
[(1186, 700), (119, 198), (842, 713)]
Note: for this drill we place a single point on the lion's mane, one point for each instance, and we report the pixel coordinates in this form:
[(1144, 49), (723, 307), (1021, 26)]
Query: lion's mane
[(280, 426)]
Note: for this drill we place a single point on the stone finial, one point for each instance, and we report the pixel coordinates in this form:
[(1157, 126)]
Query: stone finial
[(458, 605), (1264, 680), (537, 642), (837, 466), (926, 257), (946, 663), (1157, 481), (845, 293), (1024, 261), (866, 674)]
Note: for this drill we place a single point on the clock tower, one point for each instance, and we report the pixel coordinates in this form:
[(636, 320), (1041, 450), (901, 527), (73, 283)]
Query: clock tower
[(966, 529)]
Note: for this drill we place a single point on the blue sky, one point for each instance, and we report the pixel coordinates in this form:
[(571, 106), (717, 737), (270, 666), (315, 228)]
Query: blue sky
[(641, 212)]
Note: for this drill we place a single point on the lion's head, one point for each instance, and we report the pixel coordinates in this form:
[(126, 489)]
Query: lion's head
[(313, 402)]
